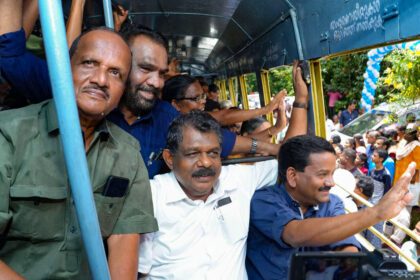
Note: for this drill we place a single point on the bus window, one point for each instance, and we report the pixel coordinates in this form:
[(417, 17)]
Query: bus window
[(252, 91)]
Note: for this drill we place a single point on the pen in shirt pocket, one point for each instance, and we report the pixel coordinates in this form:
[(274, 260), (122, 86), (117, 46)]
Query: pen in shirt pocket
[(220, 203)]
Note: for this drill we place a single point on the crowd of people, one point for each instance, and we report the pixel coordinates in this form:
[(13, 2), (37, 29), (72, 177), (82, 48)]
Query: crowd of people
[(167, 207)]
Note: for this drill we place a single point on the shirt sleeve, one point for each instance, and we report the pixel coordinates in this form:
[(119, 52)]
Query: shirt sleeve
[(26, 73), (229, 139), (269, 215), (337, 209), (146, 253), (137, 213), (265, 173)]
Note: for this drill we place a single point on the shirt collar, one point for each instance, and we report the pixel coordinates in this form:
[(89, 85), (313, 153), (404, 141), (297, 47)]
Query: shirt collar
[(282, 189), (175, 192), (52, 123)]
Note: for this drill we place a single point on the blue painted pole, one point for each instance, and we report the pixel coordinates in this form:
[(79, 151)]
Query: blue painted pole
[(68, 119), (109, 20)]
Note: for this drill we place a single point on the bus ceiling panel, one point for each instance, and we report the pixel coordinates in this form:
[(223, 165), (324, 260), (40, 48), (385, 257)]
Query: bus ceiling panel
[(181, 24), (224, 8), (350, 25), (275, 47), (255, 16)]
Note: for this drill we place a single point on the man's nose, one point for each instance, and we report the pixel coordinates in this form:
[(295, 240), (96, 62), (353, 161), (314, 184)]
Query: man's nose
[(204, 160), (155, 80), (100, 77), (329, 181)]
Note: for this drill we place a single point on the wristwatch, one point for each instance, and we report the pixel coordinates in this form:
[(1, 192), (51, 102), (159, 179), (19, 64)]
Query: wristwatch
[(254, 145), (300, 105)]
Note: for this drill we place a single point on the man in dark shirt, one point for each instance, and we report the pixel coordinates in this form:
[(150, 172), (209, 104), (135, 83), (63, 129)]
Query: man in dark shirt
[(349, 114), (380, 173)]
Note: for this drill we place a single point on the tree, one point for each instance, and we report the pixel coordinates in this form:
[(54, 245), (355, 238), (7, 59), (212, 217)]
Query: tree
[(344, 74), (401, 78), (281, 78)]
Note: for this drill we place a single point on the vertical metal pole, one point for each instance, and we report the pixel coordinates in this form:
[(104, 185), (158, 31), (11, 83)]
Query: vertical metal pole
[(68, 119), (317, 97), (244, 93), (266, 92), (232, 91), (109, 20)]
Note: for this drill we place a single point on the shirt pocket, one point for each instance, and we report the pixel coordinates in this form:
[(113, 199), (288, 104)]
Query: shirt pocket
[(232, 219), (108, 209), (39, 212)]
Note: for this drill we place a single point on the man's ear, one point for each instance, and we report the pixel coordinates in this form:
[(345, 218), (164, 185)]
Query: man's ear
[(168, 158), (175, 104), (291, 177)]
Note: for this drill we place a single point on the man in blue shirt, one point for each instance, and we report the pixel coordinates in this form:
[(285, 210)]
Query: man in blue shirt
[(379, 172), (349, 114), (299, 214), (140, 112), (382, 143)]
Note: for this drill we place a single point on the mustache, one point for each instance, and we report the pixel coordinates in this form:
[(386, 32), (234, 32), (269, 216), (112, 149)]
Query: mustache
[(204, 172), (151, 89), (96, 87), (324, 188)]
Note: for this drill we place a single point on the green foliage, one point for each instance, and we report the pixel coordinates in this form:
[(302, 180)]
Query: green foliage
[(401, 77), (251, 83), (281, 78), (344, 74)]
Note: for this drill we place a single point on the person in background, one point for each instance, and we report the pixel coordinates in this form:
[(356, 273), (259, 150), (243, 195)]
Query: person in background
[(371, 137), (361, 161), (333, 97), (383, 143), (349, 114), (380, 173), (212, 100), (350, 143), (347, 160), (412, 249), (360, 143)]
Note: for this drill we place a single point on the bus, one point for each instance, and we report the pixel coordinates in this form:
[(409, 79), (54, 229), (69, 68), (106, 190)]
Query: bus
[(233, 42)]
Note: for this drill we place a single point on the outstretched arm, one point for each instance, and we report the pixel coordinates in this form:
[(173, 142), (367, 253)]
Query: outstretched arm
[(324, 231), (26, 73), (243, 145), (228, 117), (10, 16), (30, 15), (281, 122), (75, 21), (299, 119)]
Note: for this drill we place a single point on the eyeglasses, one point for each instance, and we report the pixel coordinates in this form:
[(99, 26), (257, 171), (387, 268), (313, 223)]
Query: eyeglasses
[(193, 99)]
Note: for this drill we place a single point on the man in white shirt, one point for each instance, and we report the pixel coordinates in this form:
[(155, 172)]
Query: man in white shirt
[(203, 208)]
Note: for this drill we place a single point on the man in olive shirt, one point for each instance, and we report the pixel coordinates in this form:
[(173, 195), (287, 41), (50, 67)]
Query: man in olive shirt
[(38, 225)]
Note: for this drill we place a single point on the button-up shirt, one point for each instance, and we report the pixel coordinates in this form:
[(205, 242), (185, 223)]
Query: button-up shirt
[(198, 239), (272, 208), (42, 238)]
